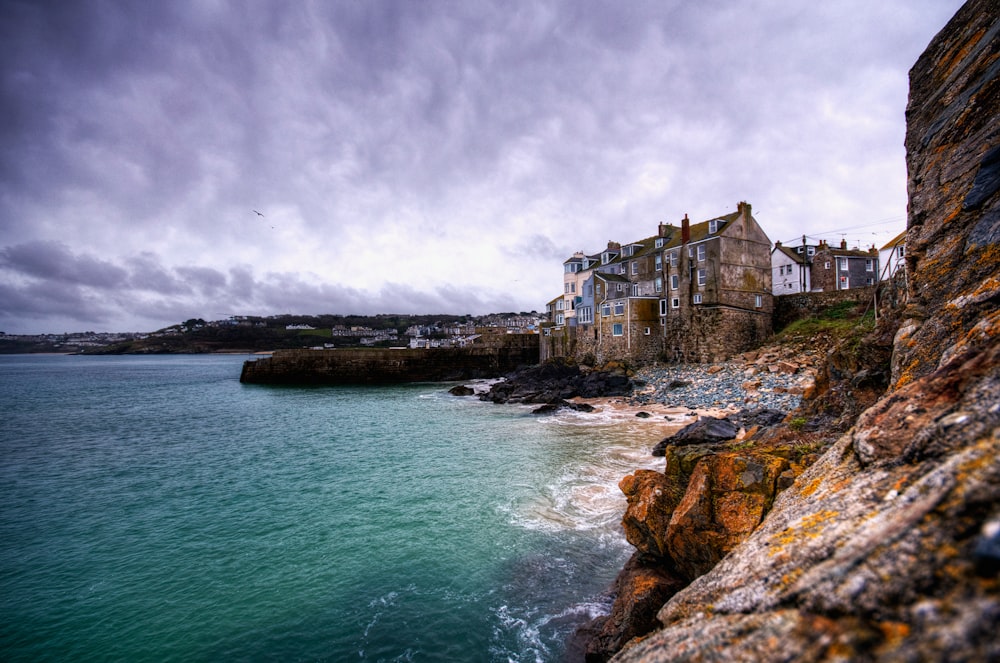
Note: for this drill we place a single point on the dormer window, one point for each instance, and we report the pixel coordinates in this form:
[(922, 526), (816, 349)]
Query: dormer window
[(714, 225), (627, 251), (659, 242)]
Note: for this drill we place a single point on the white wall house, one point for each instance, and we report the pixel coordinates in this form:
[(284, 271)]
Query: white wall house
[(892, 256), (790, 269)]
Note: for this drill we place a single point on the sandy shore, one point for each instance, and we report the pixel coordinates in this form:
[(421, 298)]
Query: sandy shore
[(671, 415)]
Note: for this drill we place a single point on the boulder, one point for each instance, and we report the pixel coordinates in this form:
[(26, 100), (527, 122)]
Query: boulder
[(461, 390)]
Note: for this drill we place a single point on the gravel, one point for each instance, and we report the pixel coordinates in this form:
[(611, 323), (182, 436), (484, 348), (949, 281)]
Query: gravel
[(718, 386)]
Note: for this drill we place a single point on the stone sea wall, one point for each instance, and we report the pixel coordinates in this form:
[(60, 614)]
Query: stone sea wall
[(493, 358), (885, 547)]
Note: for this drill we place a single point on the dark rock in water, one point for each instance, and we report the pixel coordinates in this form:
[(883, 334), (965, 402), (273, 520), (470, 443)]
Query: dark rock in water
[(549, 408), (643, 415), (462, 390), (556, 381), (678, 384)]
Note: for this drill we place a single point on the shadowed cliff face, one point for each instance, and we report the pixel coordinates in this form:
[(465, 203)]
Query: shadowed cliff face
[(888, 546)]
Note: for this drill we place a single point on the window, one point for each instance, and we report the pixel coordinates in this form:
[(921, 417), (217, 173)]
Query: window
[(573, 267), (810, 250), (628, 251), (826, 265), (713, 225), (844, 283), (901, 250), (659, 242), (673, 258), (635, 267), (701, 253), (842, 264), (560, 318), (560, 305), (663, 307), (635, 289), (702, 276), (588, 289), (868, 265), (621, 268), (606, 310), (597, 289), (658, 262), (690, 252), (572, 287), (619, 308), (621, 287), (585, 315), (868, 280), (566, 288), (616, 329), (697, 298), (659, 284), (675, 302), (674, 281), (647, 331), (758, 301)]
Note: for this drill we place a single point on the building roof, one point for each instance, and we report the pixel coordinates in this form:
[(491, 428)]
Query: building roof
[(800, 258), (898, 239)]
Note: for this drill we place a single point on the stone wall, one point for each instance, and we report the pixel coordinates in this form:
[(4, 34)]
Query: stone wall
[(387, 366), (789, 308)]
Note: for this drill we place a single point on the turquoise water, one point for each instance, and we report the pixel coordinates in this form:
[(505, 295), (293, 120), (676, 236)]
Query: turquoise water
[(155, 509)]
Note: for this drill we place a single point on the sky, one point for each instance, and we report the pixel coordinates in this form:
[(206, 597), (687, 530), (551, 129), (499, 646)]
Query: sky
[(161, 161)]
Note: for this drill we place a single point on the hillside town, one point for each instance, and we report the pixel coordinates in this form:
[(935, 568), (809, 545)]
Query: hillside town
[(697, 292)]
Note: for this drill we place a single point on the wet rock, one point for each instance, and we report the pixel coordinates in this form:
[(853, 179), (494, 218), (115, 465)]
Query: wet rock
[(461, 390), (640, 589)]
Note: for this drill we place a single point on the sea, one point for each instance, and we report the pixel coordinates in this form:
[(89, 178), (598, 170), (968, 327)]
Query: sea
[(152, 508)]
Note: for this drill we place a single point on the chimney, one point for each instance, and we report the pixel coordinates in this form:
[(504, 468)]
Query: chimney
[(777, 245), (743, 208), (685, 230), (843, 244), (664, 230)]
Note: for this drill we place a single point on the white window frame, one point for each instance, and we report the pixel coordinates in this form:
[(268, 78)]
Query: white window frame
[(658, 283), (606, 310), (702, 276), (619, 308), (663, 307), (675, 281), (658, 262), (697, 298), (618, 329), (675, 302), (659, 243), (758, 301), (673, 258), (635, 267), (701, 253)]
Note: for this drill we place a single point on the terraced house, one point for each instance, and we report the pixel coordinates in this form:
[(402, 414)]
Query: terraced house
[(694, 292)]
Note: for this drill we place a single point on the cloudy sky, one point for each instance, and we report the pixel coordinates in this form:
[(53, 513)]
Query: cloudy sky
[(422, 156)]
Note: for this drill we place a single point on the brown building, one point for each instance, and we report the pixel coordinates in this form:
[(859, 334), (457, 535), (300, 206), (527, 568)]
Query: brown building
[(842, 268), (699, 292)]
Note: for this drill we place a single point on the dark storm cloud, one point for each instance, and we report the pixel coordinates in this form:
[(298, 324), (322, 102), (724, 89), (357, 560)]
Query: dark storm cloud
[(444, 142), (55, 262)]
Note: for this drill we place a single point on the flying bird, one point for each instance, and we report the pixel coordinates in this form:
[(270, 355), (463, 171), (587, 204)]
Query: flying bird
[(257, 213)]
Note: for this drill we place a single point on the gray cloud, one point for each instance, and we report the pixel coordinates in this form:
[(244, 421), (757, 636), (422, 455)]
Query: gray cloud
[(390, 144)]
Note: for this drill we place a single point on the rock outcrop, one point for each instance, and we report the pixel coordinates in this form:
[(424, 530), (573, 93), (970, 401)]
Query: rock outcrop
[(556, 380), (886, 546)]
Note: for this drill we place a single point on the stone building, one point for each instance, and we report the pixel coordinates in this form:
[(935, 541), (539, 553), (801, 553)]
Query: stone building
[(697, 292), (843, 268)]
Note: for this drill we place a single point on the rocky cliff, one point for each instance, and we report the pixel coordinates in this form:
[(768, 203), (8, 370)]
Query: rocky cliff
[(886, 546)]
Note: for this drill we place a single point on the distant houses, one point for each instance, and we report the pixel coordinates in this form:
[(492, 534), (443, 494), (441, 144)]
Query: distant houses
[(695, 292), (692, 292)]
